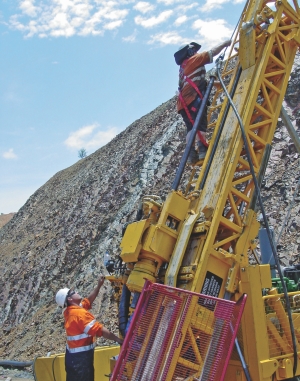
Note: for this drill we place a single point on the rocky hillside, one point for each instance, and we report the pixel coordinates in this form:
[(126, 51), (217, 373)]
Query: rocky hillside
[(58, 238)]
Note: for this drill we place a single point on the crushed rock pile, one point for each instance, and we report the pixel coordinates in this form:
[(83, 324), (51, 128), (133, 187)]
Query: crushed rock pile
[(58, 238)]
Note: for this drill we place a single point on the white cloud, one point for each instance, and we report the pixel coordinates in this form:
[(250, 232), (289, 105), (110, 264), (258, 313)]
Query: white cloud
[(153, 21), (116, 14), (169, 2), (113, 25), (216, 4), (181, 20), (212, 31), (144, 7), (9, 154), (60, 26), (186, 7), (90, 137), (68, 17), (169, 38), (28, 7), (131, 38)]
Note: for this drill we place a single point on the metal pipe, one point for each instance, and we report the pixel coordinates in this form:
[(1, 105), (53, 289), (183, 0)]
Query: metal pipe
[(227, 296), (291, 130), (193, 134)]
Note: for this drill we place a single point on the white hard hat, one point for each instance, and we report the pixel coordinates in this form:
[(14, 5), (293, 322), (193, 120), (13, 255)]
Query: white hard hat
[(61, 296)]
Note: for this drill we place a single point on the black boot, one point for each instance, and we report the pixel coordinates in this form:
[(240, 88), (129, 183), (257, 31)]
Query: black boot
[(193, 156)]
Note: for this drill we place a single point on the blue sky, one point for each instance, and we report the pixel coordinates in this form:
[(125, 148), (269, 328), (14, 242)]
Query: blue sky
[(74, 73)]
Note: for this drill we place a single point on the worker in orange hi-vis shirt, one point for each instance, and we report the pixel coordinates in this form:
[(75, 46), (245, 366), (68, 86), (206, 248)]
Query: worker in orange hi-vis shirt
[(192, 86), (82, 330)]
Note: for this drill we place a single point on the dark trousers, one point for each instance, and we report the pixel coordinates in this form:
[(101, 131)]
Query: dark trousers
[(80, 366), (193, 110)]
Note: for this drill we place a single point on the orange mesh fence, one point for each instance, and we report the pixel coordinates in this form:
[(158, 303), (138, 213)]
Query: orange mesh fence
[(178, 335)]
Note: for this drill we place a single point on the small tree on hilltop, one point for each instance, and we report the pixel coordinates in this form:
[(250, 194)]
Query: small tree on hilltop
[(82, 153)]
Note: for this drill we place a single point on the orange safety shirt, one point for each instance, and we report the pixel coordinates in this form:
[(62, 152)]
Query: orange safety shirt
[(81, 327), (194, 69)]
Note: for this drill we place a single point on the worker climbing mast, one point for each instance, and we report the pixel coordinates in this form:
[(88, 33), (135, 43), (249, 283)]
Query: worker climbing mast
[(200, 240), (192, 86)]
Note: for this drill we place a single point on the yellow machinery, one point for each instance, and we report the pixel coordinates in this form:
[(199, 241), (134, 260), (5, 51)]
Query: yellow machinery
[(52, 368), (202, 238)]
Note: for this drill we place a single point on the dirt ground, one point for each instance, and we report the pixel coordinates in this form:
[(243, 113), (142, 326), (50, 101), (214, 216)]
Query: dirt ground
[(15, 375), (8, 378)]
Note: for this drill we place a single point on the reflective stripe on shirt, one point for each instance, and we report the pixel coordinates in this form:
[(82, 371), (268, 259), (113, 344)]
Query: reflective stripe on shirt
[(78, 337), (89, 326), (202, 68), (194, 79), (81, 349)]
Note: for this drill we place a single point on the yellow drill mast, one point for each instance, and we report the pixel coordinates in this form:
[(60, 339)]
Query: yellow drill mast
[(201, 239)]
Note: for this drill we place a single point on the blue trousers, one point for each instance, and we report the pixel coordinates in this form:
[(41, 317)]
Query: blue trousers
[(80, 366)]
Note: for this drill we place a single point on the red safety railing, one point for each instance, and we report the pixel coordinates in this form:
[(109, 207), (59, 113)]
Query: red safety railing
[(178, 335)]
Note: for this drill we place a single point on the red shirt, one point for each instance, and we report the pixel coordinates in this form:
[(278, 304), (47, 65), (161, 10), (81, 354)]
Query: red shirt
[(194, 68), (81, 327)]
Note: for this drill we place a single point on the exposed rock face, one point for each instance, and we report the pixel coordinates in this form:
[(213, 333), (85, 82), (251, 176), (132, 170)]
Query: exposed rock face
[(5, 218), (281, 186), (58, 238)]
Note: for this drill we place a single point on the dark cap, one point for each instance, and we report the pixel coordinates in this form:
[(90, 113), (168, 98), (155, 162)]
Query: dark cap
[(182, 52)]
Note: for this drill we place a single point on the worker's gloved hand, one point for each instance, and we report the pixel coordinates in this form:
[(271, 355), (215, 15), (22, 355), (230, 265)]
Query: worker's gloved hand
[(101, 280), (227, 43)]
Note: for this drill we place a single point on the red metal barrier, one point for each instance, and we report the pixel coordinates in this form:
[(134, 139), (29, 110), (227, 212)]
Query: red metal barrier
[(178, 335)]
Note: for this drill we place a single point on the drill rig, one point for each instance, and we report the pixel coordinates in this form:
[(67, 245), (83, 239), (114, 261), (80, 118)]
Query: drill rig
[(201, 240), (195, 303)]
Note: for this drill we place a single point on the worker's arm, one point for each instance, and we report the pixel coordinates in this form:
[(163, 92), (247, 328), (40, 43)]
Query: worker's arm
[(217, 49), (111, 336), (96, 290)]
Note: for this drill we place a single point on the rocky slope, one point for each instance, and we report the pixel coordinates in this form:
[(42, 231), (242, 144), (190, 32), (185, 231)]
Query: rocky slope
[(58, 238)]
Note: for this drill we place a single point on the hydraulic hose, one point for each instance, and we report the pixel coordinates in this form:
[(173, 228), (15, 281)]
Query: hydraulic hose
[(258, 194), (53, 372), (124, 309), (16, 364)]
